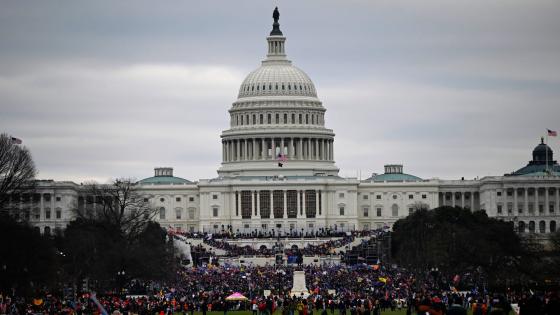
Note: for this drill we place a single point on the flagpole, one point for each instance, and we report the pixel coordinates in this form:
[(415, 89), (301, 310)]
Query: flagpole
[(546, 153)]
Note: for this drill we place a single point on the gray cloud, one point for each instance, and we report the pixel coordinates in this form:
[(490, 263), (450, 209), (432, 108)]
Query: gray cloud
[(104, 89)]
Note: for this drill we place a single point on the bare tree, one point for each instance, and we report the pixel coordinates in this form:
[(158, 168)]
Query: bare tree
[(119, 203), (17, 169)]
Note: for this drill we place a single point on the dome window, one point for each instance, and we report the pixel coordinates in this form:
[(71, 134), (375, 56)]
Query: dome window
[(261, 119), (264, 87), (283, 87), (289, 87), (300, 87), (270, 87), (257, 87), (252, 88), (276, 86)]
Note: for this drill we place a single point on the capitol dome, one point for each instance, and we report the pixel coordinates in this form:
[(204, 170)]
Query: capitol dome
[(277, 123), (277, 79)]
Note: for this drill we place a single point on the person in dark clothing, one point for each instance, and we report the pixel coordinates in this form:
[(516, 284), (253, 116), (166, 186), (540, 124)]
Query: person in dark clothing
[(456, 307)]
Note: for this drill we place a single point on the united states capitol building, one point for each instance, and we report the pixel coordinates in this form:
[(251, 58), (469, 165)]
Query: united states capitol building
[(278, 173)]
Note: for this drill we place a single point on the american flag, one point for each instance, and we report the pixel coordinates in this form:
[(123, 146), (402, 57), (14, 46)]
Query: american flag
[(282, 157), (552, 133), (16, 140)]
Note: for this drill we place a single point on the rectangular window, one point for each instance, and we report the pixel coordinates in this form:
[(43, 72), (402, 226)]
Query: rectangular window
[(365, 197), (215, 212), (520, 209), (57, 198), (366, 212), (424, 196), (551, 208), (246, 204), (509, 192), (341, 210), (178, 214), (191, 214), (378, 197), (191, 199), (498, 193), (178, 199), (541, 208), (58, 214), (341, 195), (310, 203), (264, 196), (278, 204), (410, 210), (378, 212), (410, 196), (215, 197), (48, 214), (499, 209), (291, 203)]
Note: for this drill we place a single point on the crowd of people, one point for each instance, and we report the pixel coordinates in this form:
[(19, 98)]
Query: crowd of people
[(327, 247), (341, 289)]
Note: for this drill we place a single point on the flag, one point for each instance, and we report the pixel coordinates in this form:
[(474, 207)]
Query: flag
[(281, 159), (18, 141), (551, 133)]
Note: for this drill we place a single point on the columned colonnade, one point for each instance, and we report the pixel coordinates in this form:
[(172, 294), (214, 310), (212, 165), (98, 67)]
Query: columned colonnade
[(268, 148)]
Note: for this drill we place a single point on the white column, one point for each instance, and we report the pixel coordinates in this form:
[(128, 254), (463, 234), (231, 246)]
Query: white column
[(263, 148), (239, 203), (300, 148), (526, 206), (245, 149), (453, 199), (546, 201), (258, 203), (303, 205), (271, 204), (282, 146), (309, 148), (316, 149), (273, 149), (292, 148), (298, 203), (463, 200), (238, 149), (331, 151), (536, 205), (515, 207), (254, 157), (557, 201), (253, 210), (316, 203)]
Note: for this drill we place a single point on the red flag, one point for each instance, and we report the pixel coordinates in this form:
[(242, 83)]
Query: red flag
[(552, 133)]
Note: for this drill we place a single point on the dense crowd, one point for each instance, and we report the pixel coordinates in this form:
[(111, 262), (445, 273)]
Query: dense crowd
[(327, 247), (349, 290)]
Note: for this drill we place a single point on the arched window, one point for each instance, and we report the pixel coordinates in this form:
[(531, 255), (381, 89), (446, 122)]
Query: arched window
[(306, 119), (261, 119), (162, 213), (254, 119), (395, 210), (531, 226), (277, 118), (285, 118), (300, 116), (313, 119), (542, 226), (552, 226), (521, 227), (47, 230), (269, 118), (293, 118)]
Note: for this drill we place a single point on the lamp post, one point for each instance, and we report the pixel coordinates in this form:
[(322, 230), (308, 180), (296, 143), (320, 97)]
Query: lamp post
[(120, 280)]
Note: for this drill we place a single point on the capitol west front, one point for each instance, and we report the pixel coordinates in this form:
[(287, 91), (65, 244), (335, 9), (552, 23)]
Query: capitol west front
[(278, 174)]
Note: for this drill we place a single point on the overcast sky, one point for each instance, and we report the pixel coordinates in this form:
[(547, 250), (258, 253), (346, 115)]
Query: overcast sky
[(104, 89)]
